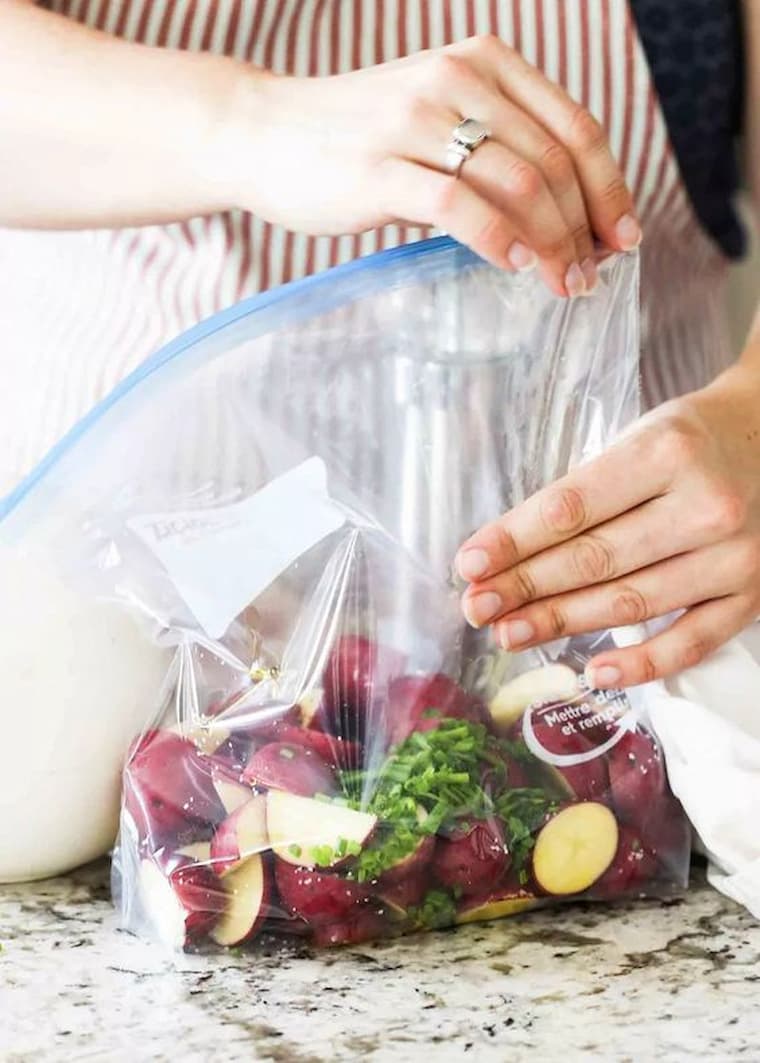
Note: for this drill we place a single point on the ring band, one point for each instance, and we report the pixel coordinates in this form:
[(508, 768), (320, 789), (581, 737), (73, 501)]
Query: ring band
[(468, 135)]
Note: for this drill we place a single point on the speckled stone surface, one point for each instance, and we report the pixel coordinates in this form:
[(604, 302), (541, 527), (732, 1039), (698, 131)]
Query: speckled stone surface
[(678, 980)]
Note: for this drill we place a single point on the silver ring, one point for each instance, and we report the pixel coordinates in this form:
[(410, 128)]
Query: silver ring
[(468, 135)]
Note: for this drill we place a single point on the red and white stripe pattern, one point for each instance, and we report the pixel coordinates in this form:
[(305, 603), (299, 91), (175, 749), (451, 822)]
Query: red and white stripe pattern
[(80, 310)]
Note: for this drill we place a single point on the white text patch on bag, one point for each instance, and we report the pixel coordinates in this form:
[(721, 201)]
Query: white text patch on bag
[(220, 559)]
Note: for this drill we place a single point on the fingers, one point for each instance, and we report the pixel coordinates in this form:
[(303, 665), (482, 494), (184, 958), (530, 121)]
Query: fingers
[(509, 180), (424, 196), (691, 639), (540, 165), (516, 188), (590, 495), (680, 582), (521, 192), (607, 198), (640, 538), (529, 141)]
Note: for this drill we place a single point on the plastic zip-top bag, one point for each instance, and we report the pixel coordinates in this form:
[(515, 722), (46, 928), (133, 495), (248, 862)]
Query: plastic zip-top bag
[(276, 498)]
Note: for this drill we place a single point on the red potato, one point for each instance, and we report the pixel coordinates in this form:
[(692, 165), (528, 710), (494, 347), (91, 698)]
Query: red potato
[(316, 896), (356, 928), (400, 896), (587, 781), (182, 898), (631, 869), (198, 851), (412, 865), (284, 766), (234, 752), (299, 827), (249, 727), (515, 775), (574, 848), (473, 859), (518, 775), (207, 737), (247, 893), (356, 678), (335, 751), (666, 834), (241, 835), (169, 790), (232, 794), (414, 700), (637, 775), (552, 682), (495, 905)]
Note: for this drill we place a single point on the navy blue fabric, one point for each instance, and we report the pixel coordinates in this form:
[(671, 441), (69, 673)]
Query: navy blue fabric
[(695, 51)]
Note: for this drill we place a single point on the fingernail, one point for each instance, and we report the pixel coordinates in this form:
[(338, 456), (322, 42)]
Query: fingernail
[(628, 232), (590, 275), (603, 677), (480, 608), (575, 282), (521, 257), (515, 633), (472, 564)]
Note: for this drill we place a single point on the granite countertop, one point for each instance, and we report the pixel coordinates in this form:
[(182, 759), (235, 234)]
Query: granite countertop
[(677, 979)]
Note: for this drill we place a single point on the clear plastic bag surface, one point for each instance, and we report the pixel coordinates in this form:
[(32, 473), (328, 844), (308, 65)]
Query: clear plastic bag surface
[(278, 498)]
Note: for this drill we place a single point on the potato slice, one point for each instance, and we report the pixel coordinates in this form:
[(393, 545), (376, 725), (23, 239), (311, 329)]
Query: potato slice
[(496, 907), (300, 826), (554, 682), (575, 848)]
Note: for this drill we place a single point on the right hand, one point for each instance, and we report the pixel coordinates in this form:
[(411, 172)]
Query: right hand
[(358, 151)]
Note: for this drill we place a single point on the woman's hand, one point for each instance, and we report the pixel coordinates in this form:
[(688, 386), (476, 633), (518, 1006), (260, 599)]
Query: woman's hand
[(667, 519), (361, 150), (138, 135)]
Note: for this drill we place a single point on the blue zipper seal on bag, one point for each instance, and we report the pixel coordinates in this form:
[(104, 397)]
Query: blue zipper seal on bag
[(184, 342)]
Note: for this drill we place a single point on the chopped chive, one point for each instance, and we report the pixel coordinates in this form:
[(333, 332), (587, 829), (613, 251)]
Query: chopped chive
[(322, 855)]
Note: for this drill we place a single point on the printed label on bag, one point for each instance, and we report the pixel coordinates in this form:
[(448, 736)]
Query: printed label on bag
[(220, 559), (579, 730)]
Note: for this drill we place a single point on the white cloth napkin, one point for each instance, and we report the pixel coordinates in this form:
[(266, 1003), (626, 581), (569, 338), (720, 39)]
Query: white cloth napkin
[(708, 721)]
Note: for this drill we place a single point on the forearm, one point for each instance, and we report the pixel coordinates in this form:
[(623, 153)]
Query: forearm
[(96, 131)]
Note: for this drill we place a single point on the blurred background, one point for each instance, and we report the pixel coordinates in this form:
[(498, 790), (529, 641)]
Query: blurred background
[(744, 291)]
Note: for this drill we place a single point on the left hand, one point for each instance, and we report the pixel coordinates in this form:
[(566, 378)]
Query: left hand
[(667, 519)]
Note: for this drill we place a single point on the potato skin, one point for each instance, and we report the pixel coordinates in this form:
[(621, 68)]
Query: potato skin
[(318, 897), (411, 866), (355, 679), (588, 781), (631, 869), (473, 858), (637, 776), (412, 697), (283, 766), (169, 790)]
